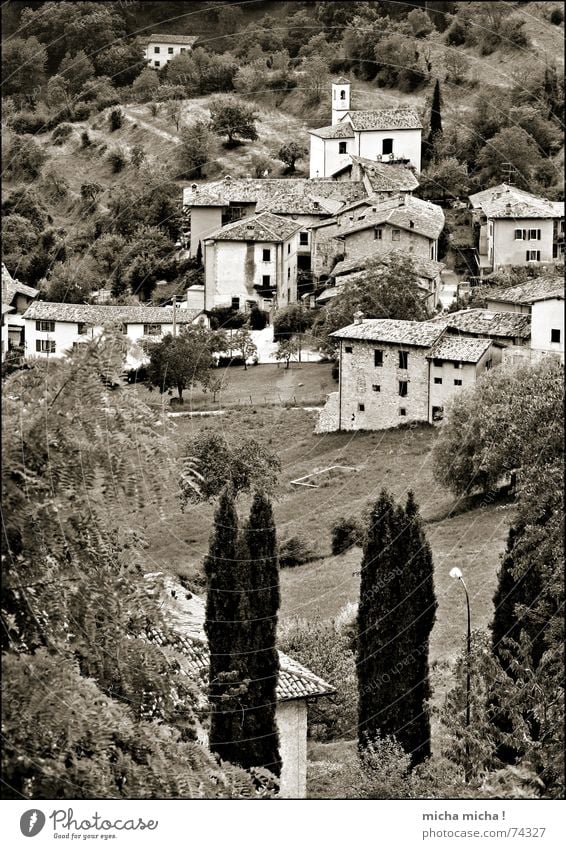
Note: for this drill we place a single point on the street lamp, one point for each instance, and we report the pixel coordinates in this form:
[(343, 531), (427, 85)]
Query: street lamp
[(457, 574)]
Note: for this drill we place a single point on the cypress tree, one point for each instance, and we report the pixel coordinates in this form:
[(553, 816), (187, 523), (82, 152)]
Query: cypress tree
[(435, 130)]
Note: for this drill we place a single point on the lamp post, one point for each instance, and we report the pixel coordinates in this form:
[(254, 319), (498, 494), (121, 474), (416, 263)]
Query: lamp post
[(457, 574)]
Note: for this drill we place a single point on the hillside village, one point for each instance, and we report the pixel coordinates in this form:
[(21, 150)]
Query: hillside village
[(395, 286)]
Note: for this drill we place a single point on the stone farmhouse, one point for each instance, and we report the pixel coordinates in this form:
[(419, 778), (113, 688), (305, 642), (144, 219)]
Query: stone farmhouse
[(161, 48), (187, 645), (391, 372), (378, 134), (516, 228), (52, 330), (252, 262), (16, 298)]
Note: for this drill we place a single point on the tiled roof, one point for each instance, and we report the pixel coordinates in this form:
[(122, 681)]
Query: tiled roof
[(505, 201), (459, 349), (428, 268), (101, 314), (548, 286), (282, 197), (7, 308), (11, 288), (407, 212), (186, 617), (167, 38), (418, 333), (402, 118), (387, 176), (487, 323), (341, 81), (334, 131), (265, 227)]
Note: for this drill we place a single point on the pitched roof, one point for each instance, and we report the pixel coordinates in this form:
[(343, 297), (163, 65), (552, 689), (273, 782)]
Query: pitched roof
[(98, 314), (418, 333), (407, 212), (547, 286), (186, 616), (282, 197), (341, 81), (12, 287), (265, 227), (167, 38), (459, 349), (427, 268), (506, 201), (387, 176), (402, 118), (486, 323), (334, 131), (7, 308)]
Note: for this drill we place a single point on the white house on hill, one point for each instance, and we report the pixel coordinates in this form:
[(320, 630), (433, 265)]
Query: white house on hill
[(161, 48), (376, 134)]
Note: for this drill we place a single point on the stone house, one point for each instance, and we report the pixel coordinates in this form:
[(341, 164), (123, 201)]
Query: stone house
[(516, 228), (296, 685), (161, 48), (520, 298), (304, 202), (52, 330), (382, 179), (378, 134), (252, 262), (16, 298), (506, 328), (393, 372)]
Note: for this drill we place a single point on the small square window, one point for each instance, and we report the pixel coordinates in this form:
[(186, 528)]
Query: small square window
[(170, 51), (457, 383), (157, 64), (403, 359), (518, 235), (555, 334), (266, 279), (402, 411), (396, 235), (342, 147), (182, 50), (438, 380), (81, 328), (303, 238), (348, 349), (157, 50), (437, 363), (457, 365), (266, 255), (235, 303), (361, 408), (403, 388), (376, 387), (378, 358), (152, 330)]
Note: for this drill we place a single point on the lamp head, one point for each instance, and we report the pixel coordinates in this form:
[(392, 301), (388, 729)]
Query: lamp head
[(456, 573)]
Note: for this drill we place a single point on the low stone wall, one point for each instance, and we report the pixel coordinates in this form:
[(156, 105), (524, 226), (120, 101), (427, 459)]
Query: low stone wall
[(328, 417)]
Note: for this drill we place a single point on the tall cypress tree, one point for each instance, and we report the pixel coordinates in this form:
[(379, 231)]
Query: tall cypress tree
[(435, 130), (396, 615)]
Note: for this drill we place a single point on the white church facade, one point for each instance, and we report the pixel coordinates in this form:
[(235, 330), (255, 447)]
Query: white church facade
[(389, 135)]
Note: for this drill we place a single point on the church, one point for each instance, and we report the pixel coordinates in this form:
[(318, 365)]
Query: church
[(388, 135)]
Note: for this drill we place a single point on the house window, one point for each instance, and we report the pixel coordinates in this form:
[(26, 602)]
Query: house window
[(402, 411), (342, 95), (555, 335), (457, 383), (519, 234), (152, 330), (289, 248), (387, 146), (289, 295), (288, 274), (378, 358), (45, 346), (157, 50), (45, 326), (438, 380), (342, 147), (170, 51), (361, 408), (182, 50), (266, 279), (235, 303), (534, 234), (266, 255), (348, 349), (378, 233), (395, 235), (403, 359), (303, 238), (157, 64), (403, 388), (437, 363), (457, 365), (533, 256), (376, 387), (437, 414), (488, 364), (81, 328)]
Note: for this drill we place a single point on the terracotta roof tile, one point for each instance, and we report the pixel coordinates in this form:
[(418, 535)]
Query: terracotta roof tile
[(101, 314), (459, 349), (419, 333), (334, 131), (402, 118)]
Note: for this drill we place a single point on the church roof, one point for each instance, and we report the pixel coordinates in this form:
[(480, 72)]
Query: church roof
[(341, 81), (387, 176), (334, 131), (402, 118)]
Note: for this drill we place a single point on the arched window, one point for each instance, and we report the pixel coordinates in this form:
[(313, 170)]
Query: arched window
[(342, 95)]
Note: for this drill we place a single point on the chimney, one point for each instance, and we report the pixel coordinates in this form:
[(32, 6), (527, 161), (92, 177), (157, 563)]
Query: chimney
[(227, 178), (358, 317), (194, 187)]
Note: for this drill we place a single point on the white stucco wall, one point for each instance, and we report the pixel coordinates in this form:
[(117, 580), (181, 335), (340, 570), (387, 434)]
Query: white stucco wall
[(164, 56), (406, 144), (316, 157), (291, 720), (510, 251), (204, 221), (546, 316)]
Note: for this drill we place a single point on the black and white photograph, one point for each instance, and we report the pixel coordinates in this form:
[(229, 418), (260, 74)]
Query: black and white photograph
[(283, 421)]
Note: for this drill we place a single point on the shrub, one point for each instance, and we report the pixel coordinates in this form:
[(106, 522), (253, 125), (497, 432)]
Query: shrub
[(25, 159), (117, 160), (85, 139), (30, 122), (81, 111), (61, 133), (345, 534), (226, 318), (291, 320), (456, 35), (258, 318), (294, 552), (115, 119)]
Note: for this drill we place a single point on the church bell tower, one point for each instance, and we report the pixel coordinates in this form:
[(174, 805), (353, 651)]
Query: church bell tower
[(340, 98)]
